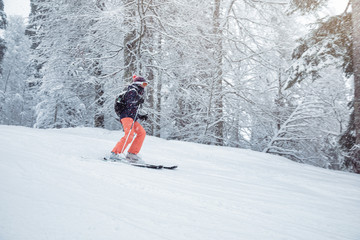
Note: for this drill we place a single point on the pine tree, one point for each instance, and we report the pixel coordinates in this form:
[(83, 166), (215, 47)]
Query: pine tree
[(17, 100)]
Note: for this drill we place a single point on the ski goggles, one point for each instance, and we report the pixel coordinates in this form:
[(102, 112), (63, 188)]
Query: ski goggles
[(144, 84)]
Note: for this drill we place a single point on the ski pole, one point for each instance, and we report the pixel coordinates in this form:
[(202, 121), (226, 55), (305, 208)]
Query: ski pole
[(130, 128)]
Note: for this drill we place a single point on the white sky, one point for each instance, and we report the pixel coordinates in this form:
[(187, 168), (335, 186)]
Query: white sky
[(22, 7), (17, 7)]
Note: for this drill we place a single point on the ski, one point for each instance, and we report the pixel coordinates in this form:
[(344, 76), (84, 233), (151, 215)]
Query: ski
[(170, 167), (143, 165)]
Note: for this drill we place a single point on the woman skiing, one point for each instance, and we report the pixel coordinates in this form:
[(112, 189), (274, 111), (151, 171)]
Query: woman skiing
[(132, 99)]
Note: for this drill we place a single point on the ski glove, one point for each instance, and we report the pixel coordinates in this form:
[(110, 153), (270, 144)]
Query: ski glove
[(141, 101), (143, 117)]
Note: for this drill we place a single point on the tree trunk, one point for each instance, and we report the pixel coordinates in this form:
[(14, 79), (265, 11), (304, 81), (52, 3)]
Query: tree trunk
[(99, 118), (6, 81), (130, 50), (219, 127), (356, 65), (151, 101), (158, 107), (279, 101)]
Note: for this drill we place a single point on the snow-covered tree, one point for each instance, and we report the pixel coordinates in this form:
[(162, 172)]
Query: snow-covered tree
[(333, 42), (3, 24), (63, 91), (310, 132), (16, 108), (355, 151)]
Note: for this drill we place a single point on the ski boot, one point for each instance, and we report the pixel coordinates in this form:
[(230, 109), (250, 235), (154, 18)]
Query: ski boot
[(134, 158), (116, 157)]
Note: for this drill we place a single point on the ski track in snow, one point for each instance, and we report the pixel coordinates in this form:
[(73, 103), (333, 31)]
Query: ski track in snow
[(55, 186)]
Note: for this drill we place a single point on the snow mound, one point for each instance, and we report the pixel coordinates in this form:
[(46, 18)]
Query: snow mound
[(55, 186)]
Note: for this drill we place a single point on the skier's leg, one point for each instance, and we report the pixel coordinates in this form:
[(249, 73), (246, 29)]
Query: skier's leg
[(129, 135), (139, 139)]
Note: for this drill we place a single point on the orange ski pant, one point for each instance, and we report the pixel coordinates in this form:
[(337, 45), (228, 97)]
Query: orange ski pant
[(129, 135)]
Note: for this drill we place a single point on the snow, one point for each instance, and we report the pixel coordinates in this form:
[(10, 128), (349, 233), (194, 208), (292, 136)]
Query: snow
[(54, 186)]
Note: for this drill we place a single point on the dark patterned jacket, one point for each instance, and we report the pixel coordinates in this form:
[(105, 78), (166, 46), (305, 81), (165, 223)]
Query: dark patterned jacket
[(132, 97)]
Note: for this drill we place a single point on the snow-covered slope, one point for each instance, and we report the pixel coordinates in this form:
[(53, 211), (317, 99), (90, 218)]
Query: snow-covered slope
[(54, 186)]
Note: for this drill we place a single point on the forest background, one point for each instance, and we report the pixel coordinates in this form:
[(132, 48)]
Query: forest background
[(274, 76)]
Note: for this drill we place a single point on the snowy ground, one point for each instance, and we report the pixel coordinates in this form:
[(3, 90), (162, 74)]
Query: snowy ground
[(54, 186)]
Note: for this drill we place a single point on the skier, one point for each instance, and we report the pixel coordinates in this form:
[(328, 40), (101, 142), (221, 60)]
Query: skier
[(133, 98)]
